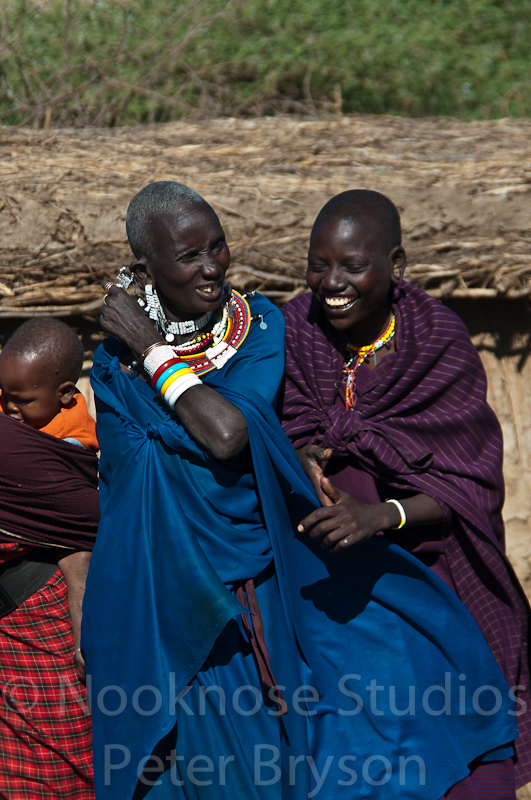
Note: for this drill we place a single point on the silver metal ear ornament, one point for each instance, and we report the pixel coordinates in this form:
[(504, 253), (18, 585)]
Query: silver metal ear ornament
[(125, 277)]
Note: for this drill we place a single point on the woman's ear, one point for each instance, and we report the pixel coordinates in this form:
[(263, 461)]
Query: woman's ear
[(66, 392), (398, 260), (139, 271)]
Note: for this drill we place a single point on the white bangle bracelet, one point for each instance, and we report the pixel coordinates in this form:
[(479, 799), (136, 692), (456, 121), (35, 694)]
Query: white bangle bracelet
[(179, 387), (403, 519)]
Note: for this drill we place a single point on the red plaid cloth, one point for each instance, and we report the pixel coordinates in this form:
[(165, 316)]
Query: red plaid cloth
[(45, 730)]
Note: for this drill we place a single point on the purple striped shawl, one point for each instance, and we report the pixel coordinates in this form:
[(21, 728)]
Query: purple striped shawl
[(422, 423)]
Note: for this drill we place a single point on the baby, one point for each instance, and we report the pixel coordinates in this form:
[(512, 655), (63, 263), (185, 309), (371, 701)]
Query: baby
[(39, 367)]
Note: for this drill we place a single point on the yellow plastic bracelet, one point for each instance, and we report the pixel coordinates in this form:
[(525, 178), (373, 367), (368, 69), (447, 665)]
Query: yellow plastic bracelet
[(176, 375)]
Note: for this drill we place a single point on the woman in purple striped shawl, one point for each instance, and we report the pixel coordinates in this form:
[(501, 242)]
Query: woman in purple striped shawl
[(385, 401)]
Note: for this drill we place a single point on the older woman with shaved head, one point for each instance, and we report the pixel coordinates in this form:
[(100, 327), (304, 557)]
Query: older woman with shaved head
[(228, 656)]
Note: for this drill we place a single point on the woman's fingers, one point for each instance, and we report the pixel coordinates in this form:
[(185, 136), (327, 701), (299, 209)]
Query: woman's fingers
[(320, 522), (81, 668), (111, 288), (315, 479), (342, 543), (122, 317), (312, 457), (326, 528), (330, 528), (338, 540), (331, 495), (343, 523)]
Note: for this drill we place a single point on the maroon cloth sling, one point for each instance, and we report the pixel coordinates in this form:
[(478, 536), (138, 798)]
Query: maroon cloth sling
[(422, 424), (48, 489)]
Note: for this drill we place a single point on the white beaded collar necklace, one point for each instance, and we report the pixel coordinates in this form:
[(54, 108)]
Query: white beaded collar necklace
[(155, 312)]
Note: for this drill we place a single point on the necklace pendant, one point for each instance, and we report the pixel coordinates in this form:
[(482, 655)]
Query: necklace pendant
[(169, 337), (219, 354)]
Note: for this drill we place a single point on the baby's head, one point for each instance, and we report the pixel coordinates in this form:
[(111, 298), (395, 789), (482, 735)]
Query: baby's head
[(39, 366)]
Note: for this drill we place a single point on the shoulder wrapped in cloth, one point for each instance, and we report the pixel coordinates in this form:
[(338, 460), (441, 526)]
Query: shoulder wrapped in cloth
[(177, 530), (48, 489), (423, 424)]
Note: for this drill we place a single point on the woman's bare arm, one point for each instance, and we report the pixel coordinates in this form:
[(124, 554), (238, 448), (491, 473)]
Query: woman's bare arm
[(74, 566), (209, 418)]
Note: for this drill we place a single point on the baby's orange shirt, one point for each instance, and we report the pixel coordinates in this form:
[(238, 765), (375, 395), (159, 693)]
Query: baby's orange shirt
[(74, 422)]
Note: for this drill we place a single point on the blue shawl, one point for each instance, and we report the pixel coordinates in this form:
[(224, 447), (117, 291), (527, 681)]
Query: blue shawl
[(178, 528)]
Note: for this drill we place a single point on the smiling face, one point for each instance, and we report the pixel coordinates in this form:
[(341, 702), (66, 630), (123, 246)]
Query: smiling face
[(31, 393), (191, 260), (351, 273)]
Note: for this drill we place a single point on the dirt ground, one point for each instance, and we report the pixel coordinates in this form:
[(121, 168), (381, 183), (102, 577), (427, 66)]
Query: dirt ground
[(463, 190)]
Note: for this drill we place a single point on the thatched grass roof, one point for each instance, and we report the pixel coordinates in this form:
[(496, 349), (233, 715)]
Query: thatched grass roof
[(463, 190)]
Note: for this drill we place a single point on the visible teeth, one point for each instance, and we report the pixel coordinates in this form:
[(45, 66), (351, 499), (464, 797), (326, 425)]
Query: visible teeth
[(207, 289), (338, 302)]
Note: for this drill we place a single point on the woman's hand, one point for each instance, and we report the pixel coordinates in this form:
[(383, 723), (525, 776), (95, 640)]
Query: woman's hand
[(122, 317), (208, 417), (81, 667), (345, 521), (312, 457)]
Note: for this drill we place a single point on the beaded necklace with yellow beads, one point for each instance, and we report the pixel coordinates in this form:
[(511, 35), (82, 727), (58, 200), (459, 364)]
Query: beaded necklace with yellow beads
[(212, 350), (358, 356)]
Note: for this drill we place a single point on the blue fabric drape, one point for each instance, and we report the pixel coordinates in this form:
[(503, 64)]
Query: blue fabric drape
[(178, 529)]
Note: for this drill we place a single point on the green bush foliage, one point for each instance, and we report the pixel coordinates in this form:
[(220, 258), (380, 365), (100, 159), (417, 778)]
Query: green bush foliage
[(103, 62)]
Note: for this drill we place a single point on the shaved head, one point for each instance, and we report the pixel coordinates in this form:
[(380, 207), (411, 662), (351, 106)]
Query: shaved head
[(54, 343), (369, 209), (158, 199)]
